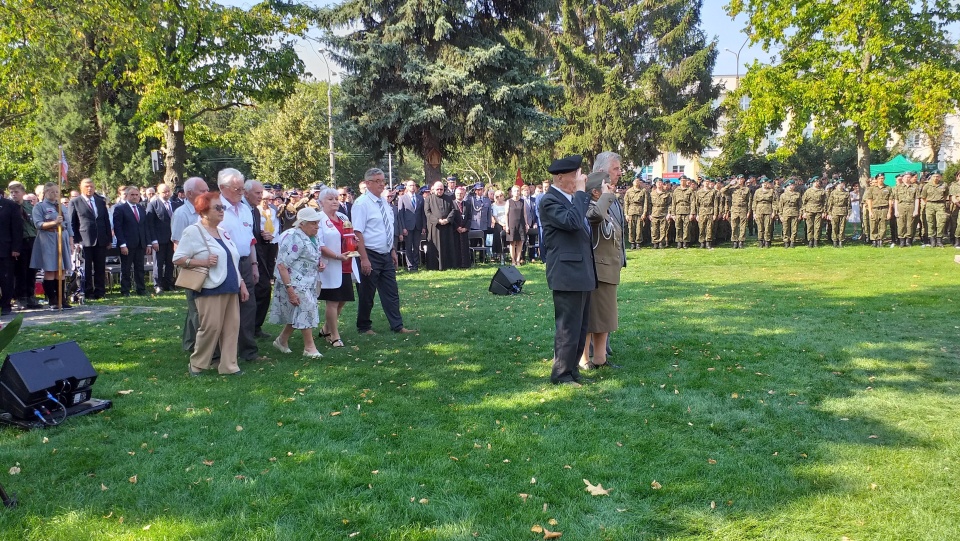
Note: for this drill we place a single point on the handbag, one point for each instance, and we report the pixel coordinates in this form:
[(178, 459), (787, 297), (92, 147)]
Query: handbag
[(192, 278)]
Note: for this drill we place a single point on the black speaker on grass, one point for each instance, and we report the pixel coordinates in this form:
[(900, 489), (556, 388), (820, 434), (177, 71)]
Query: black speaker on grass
[(62, 370), (507, 281)]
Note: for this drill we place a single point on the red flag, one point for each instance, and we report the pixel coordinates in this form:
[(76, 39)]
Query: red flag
[(519, 181), (63, 166)]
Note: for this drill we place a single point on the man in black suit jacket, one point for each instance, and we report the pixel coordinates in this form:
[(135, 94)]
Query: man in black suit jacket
[(132, 228), (90, 221), (159, 216), (346, 207), (568, 255), (262, 291), (413, 221), (11, 238)]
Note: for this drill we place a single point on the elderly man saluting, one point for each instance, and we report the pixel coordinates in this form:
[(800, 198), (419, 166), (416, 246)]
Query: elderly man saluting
[(571, 273)]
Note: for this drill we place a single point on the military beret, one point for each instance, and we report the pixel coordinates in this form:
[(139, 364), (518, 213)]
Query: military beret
[(740, 176), (596, 180), (565, 165), (788, 183), (765, 179)]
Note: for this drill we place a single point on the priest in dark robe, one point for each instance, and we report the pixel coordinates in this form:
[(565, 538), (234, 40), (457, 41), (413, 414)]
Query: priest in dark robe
[(461, 223), (441, 232)]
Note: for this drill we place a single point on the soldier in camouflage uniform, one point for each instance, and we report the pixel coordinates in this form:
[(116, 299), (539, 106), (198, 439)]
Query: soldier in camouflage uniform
[(764, 211), (660, 203), (708, 209), (933, 198), (879, 200), (814, 209), (955, 201), (789, 204), (636, 204), (740, 203), (838, 207), (905, 209), (683, 211)]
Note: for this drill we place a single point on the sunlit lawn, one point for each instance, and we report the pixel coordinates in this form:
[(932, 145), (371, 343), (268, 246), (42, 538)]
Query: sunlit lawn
[(764, 394)]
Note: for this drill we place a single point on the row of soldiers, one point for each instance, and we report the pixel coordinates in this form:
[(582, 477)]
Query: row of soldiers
[(708, 210)]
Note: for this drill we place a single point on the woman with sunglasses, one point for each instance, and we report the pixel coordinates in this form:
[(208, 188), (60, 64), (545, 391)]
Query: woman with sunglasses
[(205, 244)]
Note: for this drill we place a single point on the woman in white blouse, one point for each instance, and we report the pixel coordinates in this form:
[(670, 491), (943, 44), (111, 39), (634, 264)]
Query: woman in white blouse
[(205, 244), (337, 279)]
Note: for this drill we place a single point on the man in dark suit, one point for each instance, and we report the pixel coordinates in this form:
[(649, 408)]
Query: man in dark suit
[(159, 217), (413, 221), (568, 255), (132, 228), (90, 222), (346, 206), (253, 195), (11, 238)]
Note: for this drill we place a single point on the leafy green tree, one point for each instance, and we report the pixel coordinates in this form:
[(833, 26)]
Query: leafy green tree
[(431, 76), (637, 77), (842, 64)]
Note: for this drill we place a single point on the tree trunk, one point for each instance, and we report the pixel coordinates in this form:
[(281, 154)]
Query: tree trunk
[(429, 146), (863, 157), (176, 155)]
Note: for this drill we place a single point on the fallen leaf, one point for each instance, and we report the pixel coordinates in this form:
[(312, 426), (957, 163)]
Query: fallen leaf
[(128, 391), (147, 527), (334, 414), (524, 497), (424, 500), (711, 461), (133, 480), (547, 534), (208, 463), (46, 440), (552, 522), (655, 485), (874, 486), (103, 487), (713, 505), (536, 528), (14, 470), (596, 490), (533, 480)]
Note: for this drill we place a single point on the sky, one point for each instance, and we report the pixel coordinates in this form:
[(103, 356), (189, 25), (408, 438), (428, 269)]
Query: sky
[(715, 23)]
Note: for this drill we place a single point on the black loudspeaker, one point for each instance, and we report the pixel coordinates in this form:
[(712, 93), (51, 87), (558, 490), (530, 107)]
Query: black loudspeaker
[(507, 281), (62, 370)]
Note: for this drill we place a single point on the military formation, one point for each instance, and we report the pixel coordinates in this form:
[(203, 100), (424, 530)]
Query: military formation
[(703, 212)]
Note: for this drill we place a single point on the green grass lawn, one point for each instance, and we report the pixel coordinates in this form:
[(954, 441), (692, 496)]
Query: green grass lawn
[(765, 394)]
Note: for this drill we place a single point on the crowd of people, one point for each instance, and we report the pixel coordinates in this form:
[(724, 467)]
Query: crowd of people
[(270, 254)]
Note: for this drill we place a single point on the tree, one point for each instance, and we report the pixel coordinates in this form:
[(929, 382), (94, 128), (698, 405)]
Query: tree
[(435, 75), (637, 77), (841, 64), (196, 56)]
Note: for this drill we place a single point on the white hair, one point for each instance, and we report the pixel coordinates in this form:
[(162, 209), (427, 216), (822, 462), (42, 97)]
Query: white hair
[(191, 184), (228, 175), (604, 161)]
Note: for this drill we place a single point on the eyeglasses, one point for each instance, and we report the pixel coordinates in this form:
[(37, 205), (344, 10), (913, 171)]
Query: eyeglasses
[(219, 208)]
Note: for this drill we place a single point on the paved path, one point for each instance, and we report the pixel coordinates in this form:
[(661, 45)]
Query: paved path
[(79, 314)]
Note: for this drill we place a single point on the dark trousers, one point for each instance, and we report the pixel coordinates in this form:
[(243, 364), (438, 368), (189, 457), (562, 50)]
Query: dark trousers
[(192, 322), (25, 278), (6, 282), (382, 279), (247, 349), (411, 248), (164, 266), (571, 310), (262, 290), (132, 262), (95, 270)]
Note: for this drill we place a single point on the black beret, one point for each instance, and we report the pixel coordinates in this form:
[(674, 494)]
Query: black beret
[(565, 165)]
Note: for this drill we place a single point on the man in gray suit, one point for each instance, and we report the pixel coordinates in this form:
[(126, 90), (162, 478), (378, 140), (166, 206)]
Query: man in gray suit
[(413, 221), (568, 255)]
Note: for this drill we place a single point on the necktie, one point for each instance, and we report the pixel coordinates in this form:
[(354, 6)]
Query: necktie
[(386, 224), (166, 205), (135, 213), (413, 201), (92, 207)]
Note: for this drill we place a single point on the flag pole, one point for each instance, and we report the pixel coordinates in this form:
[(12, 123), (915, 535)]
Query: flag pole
[(61, 161)]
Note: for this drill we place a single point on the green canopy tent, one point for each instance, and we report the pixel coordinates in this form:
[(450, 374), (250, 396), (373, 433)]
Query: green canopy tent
[(897, 165)]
